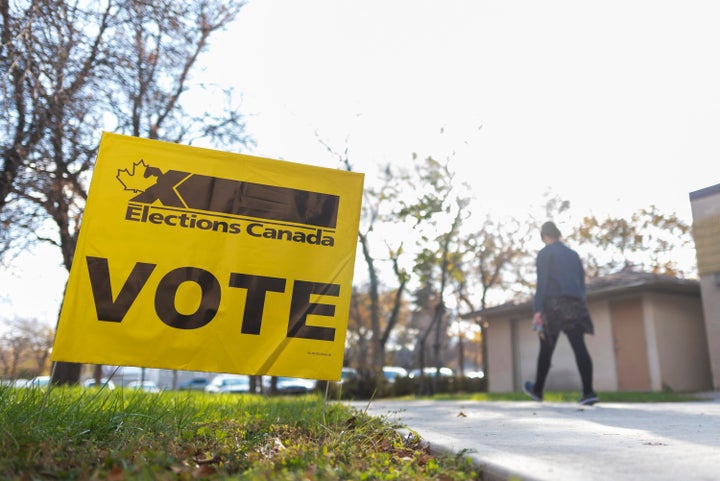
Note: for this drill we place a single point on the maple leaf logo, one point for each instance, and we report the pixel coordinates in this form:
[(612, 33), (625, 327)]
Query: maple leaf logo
[(139, 178)]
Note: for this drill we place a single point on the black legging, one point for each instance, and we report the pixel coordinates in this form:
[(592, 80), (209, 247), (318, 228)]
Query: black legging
[(576, 336)]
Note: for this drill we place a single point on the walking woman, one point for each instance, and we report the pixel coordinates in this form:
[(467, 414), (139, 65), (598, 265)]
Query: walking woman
[(560, 306)]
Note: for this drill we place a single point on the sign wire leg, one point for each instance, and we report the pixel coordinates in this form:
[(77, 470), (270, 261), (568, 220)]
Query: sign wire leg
[(47, 391), (327, 388), (104, 385)]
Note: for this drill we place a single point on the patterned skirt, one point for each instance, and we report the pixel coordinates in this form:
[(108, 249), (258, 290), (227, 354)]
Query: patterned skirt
[(565, 313)]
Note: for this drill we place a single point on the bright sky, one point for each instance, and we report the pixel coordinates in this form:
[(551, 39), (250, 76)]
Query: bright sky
[(613, 105)]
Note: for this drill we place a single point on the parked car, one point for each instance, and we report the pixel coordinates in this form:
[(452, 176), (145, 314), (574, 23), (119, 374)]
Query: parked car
[(348, 374), (431, 371), (393, 372), (147, 386), (229, 383), (292, 385), (194, 384), (17, 382), (104, 382), (37, 381)]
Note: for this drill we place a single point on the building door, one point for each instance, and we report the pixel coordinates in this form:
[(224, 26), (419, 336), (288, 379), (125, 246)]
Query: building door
[(628, 331)]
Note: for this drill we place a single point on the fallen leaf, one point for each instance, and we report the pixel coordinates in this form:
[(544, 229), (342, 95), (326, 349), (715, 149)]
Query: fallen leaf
[(351, 422), (211, 460), (203, 471), (278, 445), (116, 473), (179, 469), (423, 459)]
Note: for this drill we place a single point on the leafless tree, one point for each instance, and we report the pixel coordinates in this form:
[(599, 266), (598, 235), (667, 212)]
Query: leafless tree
[(25, 345), (12, 347), (72, 69), (376, 212)]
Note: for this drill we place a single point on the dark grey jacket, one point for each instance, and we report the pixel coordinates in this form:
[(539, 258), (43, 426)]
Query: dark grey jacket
[(559, 273)]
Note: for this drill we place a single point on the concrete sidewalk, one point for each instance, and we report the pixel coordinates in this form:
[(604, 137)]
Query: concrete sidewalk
[(565, 442)]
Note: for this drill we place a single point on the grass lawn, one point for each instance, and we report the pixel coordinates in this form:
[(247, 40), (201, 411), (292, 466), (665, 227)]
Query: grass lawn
[(79, 434)]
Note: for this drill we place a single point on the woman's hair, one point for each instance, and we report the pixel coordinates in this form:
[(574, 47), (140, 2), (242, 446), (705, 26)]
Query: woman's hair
[(550, 229)]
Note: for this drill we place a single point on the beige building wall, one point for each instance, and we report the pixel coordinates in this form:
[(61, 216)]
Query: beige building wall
[(528, 346), (516, 361), (564, 375), (666, 330), (500, 356), (600, 345), (705, 205), (513, 349), (683, 354), (711, 306)]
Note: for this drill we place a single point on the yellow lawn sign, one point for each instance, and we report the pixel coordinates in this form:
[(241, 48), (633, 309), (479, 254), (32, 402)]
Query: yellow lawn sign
[(197, 259)]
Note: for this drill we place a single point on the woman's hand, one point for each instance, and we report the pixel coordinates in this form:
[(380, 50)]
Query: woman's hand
[(537, 320), (537, 325)]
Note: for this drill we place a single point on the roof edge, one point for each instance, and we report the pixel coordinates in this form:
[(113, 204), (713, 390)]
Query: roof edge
[(605, 288), (705, 192)]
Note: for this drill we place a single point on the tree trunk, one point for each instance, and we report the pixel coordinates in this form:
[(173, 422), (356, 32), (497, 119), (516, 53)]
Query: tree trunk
[(377, 352), (66, 373), (461, 355), (97, 374)]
